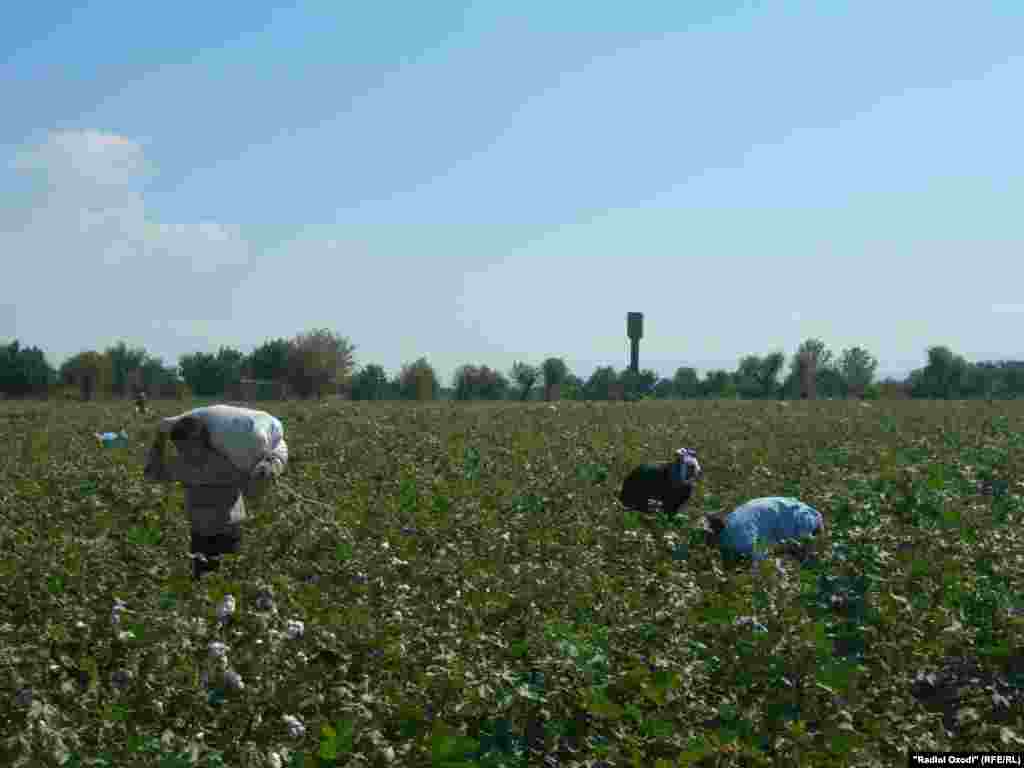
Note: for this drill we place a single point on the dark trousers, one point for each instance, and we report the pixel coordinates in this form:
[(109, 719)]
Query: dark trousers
[(211, 548)]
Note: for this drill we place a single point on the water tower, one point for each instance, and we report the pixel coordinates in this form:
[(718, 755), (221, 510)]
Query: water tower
[(634, 332)]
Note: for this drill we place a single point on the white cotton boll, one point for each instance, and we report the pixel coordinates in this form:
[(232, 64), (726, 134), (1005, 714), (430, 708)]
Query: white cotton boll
[(295, 629), (295, 727), (274, 760), (226, 609), (233, 681), (219, 652), (750, 621), (116, 611)]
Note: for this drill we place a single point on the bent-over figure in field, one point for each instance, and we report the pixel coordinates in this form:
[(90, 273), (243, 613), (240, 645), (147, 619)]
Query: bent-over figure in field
[(214, 488), (764, 522), (670, 483)]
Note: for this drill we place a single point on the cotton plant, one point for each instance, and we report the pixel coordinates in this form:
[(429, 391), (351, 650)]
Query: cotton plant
[(226, 609), (294, 629), (115, 613), (750, 621), (220, 676), (120, 607), (296, 729)]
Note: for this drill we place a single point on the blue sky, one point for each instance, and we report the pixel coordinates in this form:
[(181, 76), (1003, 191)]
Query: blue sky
[(489, 182)]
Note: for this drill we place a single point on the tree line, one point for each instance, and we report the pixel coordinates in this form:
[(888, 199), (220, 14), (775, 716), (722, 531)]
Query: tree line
[(322, 362)]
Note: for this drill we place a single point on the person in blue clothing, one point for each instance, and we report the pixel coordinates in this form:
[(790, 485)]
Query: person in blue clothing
[(763, 522)]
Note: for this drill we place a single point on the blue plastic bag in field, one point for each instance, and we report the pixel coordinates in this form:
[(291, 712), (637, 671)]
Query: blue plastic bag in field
[(768, 521), (112, 439)]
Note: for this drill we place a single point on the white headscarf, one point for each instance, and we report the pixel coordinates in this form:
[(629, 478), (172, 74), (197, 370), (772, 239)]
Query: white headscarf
[(687, 457)]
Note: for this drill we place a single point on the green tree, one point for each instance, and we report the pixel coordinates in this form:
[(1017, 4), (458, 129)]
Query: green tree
[(718, 383), (639, 384), (946, 376), (418, 381), (123, 363), (269, 361), (747, 376), (573, 388), (230, 363), (473, 382), (771, 368), (685, 383), (89, 371), (857, 366), (663, 389), (525, 376), (811, 371), (599, 385), (830, 382), (371, 383), (1001, 379), (202, 374), (758, 377), (24, 371), (156, 376), (816, 350), (555, 372), (319, 359)]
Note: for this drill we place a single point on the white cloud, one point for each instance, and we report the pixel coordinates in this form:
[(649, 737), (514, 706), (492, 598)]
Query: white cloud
[(94, 194), (85, 157), (88, 247)]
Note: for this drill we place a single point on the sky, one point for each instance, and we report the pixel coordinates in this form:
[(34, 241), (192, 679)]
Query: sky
[(491, 182)]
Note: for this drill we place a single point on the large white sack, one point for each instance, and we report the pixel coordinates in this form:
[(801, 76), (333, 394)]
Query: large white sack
[(244, 435), (768, 520)]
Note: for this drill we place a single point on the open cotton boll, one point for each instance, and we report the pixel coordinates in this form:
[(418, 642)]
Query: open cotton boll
[(296, 729), (767, 521), (226, 608)]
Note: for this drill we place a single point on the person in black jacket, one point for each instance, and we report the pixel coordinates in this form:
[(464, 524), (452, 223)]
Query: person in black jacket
[(670, 483)]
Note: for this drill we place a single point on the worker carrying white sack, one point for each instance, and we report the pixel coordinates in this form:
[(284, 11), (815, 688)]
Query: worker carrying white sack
[(763, 522), (225, 454)]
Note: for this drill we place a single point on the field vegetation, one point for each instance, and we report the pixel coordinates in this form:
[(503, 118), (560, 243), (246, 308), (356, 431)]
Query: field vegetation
[(471, 593)]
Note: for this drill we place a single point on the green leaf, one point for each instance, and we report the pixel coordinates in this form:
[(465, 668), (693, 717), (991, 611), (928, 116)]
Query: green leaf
[(343, 552), (328, 743), (599, 705), (447, 745), (519, 649), (346, 736)]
